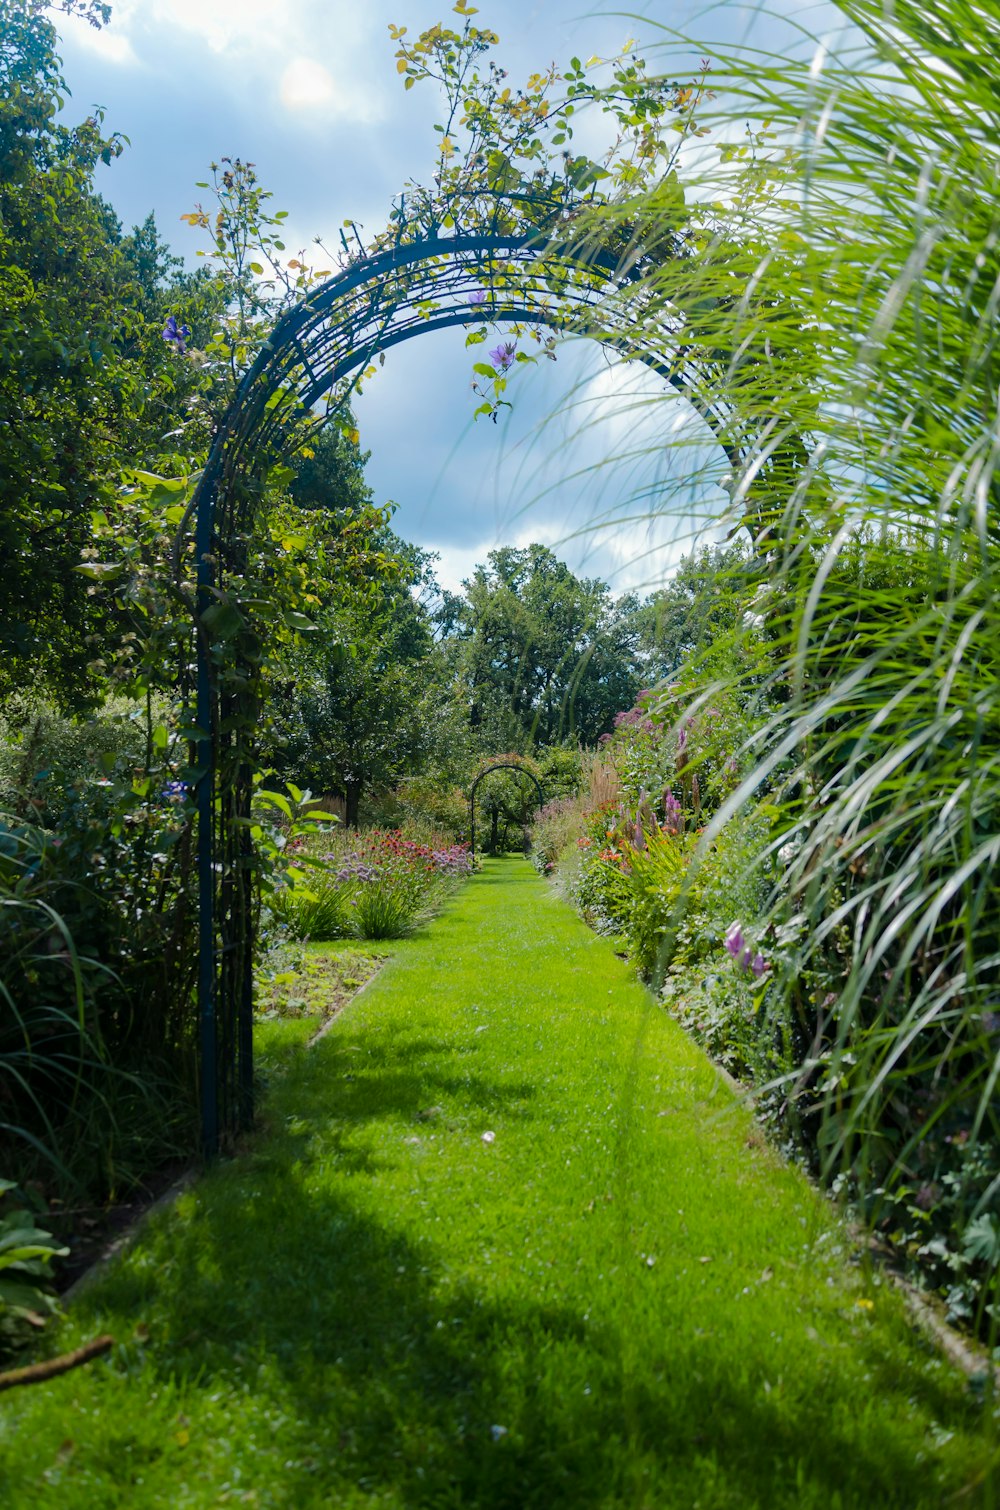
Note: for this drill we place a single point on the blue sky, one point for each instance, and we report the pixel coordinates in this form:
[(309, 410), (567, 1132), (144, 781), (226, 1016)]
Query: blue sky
[(592, 461)]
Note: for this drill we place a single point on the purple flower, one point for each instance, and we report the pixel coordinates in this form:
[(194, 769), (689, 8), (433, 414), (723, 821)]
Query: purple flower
[(673, 816), (682, 739), (743, 953), (478, 296), (176, 335), (502, 357)]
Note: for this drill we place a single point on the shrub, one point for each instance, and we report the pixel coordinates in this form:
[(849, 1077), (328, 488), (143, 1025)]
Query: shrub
[(97, 952), (26, 1255)]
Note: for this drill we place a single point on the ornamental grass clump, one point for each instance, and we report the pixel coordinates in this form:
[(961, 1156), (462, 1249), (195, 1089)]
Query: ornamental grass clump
[(318, 911), (385, 910), (845, 262)]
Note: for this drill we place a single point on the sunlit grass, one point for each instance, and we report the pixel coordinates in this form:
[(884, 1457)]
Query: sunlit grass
[(621, 1298)]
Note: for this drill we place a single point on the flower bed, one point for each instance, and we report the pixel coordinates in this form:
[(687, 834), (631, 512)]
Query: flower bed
[(375, 885)]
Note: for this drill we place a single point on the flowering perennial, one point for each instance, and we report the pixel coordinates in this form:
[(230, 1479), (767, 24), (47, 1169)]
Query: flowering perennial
[(743, 952)]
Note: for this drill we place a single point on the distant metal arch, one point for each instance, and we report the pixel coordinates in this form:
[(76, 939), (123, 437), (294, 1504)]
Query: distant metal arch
[(499, 765)]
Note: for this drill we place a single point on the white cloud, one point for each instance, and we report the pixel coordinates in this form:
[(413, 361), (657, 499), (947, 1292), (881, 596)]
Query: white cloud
[(302, 56), (305, 85), (110, 43), (224, 24)]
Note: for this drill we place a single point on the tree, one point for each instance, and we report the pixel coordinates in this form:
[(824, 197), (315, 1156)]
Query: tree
[(545, 656), (355, 724), (703, 607), (87, 384), (330, 476)]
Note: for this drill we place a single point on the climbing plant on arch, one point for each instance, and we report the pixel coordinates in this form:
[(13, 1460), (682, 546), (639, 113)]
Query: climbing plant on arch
[(516, 234)]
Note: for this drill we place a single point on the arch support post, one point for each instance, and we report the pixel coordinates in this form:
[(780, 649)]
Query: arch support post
[(205, 802)]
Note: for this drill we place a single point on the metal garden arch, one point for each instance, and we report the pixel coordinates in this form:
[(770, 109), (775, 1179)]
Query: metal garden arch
[(498, 765), (542, 274)]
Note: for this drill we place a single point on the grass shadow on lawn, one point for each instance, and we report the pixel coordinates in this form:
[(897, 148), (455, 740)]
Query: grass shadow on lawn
[(276, 1288)]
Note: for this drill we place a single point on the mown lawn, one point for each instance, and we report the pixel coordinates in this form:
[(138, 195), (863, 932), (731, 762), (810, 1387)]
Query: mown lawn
[(505, 1240)]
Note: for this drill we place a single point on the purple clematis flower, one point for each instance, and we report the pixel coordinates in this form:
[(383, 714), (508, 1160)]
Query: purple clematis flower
[(176, 335), (478, 296), (743, 953), (502, 357)]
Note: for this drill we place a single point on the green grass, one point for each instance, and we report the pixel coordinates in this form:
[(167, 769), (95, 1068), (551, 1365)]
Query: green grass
[(624, 1299)]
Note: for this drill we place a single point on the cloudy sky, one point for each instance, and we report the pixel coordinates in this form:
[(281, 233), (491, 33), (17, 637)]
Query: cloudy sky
[(592, 461)]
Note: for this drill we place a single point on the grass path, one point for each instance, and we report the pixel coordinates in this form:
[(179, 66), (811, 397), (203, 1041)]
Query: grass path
[(620, 1298)]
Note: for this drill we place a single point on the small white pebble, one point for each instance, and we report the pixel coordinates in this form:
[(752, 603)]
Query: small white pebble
[(489, 1137)]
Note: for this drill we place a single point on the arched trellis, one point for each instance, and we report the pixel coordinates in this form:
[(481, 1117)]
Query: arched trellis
[(536, 277), (498, 765)]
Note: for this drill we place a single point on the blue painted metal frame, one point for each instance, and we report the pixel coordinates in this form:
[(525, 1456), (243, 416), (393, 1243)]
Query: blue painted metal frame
[(339, 327)]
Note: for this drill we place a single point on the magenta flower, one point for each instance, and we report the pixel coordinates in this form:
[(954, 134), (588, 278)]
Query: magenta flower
[(502, 357)]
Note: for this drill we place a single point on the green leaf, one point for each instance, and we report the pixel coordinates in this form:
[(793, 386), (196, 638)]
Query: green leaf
[(275, 799), (223, 620), (299, 621), (100, 571)]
